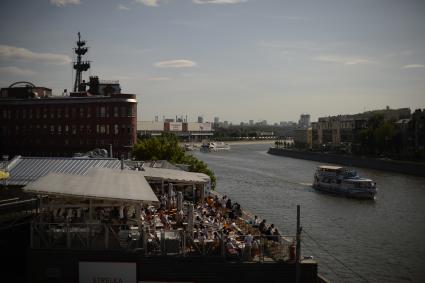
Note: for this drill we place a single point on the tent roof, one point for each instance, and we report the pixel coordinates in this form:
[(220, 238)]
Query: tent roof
[(98, 183), (24, 170), (174, 175)]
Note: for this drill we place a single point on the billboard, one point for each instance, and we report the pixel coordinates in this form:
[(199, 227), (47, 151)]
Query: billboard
[(97, 272), (198, 127), (175, 127), (150, 126)]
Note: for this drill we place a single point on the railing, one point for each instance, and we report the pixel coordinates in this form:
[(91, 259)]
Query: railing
[(154, 242)]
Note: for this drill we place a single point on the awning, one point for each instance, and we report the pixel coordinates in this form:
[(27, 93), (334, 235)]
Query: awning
[(98, 183), (174, 175)]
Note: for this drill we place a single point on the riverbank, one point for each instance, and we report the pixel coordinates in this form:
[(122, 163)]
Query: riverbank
[(271, 142), (404, 167)]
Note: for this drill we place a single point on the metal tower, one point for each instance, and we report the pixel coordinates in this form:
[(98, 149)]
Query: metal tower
[(80, 66)]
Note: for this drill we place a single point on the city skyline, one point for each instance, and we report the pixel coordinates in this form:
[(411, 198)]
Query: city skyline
[(235, 59)]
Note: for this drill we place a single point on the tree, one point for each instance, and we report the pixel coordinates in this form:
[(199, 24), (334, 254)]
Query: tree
[(166, 147)]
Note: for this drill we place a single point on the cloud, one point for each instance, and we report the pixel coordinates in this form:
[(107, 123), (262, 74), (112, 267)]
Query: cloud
[(122, 7), (413, 66), (158, 79), (290, 45), (218, 1), (61, 3), (344, 60), (13, 52), (150, 3), (179, 63), (15, 71)]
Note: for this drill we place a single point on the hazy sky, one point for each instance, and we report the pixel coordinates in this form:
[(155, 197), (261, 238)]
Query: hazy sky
[(235, 59)]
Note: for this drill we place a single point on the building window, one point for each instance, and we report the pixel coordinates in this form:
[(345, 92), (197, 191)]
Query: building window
[(116, 131), (59, 129), (52, 113), (88, 112), (59, 112), (24, 113), (30, 113), (122, 111), (44, 113), (66, 129), (73, 112), (88, 127), (107, 129), (66, 112), (52, 129), (81, 129), (74, 129), (81, 112), (116, 111)]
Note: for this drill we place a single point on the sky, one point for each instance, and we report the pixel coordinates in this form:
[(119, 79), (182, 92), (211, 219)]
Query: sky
[(238, 60)]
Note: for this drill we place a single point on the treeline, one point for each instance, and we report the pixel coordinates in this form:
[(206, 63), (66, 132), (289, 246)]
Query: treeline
[(383, 138), (166, 147)]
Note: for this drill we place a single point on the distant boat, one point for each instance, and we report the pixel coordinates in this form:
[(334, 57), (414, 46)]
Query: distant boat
[(342, 181), (214, 146), (189, 147)]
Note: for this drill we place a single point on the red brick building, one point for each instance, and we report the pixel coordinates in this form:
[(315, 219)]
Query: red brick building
[(35, 123)]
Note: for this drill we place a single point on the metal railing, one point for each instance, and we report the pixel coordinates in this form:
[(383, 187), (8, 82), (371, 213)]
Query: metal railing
[(156, 242)]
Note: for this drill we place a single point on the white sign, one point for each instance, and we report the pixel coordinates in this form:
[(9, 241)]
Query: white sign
[(107, 272), (176, 126)]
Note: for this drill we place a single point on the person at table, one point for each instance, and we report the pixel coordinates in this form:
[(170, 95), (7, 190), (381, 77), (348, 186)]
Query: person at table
[(248, 245), (231, 249), (269, 232), (262, 227), (276, 235), (256, 222)]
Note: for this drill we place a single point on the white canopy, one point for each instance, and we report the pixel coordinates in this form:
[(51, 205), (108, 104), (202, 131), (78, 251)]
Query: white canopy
[(99, 183), (174, 175)]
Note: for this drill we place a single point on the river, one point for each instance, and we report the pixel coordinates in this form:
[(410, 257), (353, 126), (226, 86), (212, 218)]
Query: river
[(352, 240)]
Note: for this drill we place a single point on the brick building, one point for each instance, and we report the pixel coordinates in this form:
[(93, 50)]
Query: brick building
[(35, 123)]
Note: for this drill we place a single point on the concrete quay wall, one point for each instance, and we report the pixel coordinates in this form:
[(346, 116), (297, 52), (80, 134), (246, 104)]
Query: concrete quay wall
[(62, 266), (411, 168)]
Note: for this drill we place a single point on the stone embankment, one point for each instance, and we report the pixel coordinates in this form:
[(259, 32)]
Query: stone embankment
[(404, 167)]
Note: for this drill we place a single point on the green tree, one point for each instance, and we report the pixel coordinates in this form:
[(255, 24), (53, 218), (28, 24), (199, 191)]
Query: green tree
[(166, 147)]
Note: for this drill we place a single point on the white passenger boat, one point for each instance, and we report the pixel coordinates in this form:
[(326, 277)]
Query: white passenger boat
[(215, 146), (342, 181)]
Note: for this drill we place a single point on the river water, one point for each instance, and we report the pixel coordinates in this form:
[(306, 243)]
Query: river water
[(352, 240)]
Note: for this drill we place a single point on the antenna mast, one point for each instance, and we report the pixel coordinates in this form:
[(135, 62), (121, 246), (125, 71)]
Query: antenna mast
[(80, 66)]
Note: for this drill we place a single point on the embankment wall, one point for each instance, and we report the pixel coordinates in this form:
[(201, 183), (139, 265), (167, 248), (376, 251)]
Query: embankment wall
[(411, 168)]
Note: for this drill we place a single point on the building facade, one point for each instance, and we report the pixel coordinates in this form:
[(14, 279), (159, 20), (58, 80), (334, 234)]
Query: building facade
[(304, 121), (186, 130), (46, 125)]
